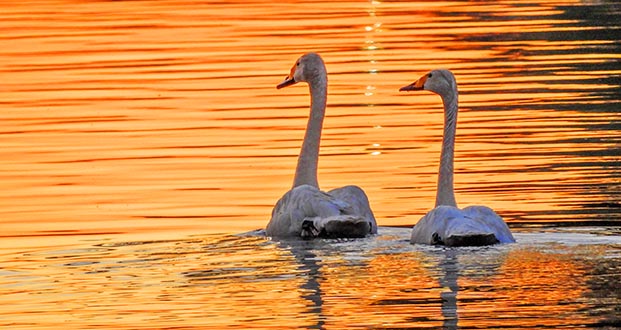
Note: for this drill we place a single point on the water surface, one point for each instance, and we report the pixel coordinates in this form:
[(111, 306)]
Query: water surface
[(561, 279), (138, 136)]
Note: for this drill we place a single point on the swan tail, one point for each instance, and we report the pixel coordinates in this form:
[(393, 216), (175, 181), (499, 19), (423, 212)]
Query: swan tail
[(471, 240), (342, 226), (465, 239), (469, 233)]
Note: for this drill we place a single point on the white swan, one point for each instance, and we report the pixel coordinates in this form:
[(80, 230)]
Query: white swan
[(446, 224), (305, 211)]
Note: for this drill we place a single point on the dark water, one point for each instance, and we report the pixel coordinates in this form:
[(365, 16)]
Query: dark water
[(139, 136)]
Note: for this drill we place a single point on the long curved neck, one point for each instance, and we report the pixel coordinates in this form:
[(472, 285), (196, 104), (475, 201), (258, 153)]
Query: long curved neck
[(445, 193), (306, 170)]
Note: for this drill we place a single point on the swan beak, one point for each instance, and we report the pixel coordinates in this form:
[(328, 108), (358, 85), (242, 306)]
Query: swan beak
[(415, 86), (287, 82)]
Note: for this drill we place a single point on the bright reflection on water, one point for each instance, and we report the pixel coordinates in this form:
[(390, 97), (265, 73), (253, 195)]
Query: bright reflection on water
[(565, 278), (136, 132)]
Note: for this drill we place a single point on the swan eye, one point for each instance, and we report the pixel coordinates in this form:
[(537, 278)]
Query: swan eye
[(429, 76), (297, 64)]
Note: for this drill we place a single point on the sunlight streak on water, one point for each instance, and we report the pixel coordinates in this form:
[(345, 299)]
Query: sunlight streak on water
[(130, 125), (93, 100)]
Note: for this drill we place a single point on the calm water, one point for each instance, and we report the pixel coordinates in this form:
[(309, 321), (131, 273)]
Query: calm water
[(139, 136)]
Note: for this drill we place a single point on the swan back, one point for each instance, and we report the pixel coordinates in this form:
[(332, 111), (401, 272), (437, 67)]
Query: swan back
[(491, 220), (451, 226), (358, 203), (307, 212)]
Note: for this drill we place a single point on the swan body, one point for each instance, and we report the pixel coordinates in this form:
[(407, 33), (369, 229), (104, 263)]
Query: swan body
[(308, 212), (305, 211), (446, 224), (451, 226)]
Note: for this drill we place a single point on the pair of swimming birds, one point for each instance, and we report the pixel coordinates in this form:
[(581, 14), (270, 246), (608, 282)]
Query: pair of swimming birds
[(307, 212)]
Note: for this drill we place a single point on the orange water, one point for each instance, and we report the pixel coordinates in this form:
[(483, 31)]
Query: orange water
[(125, 116), (149, 120)]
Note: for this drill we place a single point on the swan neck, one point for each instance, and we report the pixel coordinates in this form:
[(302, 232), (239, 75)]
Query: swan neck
[(306, 170), (445, 193)]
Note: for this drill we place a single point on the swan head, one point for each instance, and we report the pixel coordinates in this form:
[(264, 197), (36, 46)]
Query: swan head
[(439, 81), (309, 68)]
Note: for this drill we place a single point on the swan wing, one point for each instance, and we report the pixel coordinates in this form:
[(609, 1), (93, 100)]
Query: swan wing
[(432, 227), (308, 212), (485, 216), (358, 203)]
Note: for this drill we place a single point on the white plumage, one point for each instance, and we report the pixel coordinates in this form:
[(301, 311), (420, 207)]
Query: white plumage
[(446, 224), (306, 211)]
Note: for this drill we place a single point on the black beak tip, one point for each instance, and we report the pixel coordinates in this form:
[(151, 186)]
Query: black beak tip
[(410, 87), (285, 83)]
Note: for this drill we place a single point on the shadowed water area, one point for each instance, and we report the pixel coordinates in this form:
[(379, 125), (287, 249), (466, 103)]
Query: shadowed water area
[(139, 138)]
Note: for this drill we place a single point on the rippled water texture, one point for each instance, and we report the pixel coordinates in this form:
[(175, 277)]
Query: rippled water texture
[(138, 136), (551, 279)]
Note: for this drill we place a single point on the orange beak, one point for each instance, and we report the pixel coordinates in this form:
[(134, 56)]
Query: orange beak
[(415, 86), (289, 80)]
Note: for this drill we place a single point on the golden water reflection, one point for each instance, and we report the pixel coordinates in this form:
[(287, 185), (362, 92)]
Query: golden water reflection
[(129, 126), (144, 113), (217, 281)]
